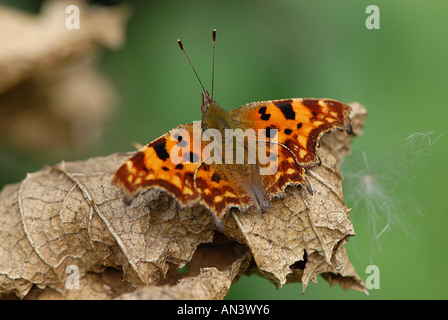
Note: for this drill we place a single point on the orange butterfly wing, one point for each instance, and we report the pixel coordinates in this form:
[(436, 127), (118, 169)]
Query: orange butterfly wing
[(190, 181), (219, 192), (298, 124), (288, 173), (152, 166)]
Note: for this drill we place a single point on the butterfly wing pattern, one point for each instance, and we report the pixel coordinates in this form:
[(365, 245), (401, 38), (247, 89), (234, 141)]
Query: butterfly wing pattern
[(152, 167), (299, 125)]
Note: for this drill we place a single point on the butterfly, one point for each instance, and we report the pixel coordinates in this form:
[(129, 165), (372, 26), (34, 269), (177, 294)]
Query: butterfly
[(194, 169)]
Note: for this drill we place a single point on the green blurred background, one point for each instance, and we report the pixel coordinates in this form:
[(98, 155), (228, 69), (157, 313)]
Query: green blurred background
[(282, 49)]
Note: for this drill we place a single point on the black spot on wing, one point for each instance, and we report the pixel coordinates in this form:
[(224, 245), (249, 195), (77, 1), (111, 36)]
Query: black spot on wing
[(286, 108), (160, 149), (182, 143), (264, 116), (270, 132), (193, 157), (179, 166), (216, 177)]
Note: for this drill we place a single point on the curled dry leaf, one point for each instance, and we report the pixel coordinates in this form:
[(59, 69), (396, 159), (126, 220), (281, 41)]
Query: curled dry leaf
[(71, 215), (50, 81), (211, 272)]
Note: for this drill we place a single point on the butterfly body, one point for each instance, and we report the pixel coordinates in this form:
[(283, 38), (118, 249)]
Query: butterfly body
[(289, 130), (242, 173)]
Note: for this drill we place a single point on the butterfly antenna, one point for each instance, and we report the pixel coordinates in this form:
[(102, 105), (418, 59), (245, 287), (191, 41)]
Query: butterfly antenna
[(213, 66), (183, 50)]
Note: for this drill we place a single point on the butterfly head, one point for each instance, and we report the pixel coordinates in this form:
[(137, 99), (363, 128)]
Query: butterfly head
[(207, 101), (213, 116)]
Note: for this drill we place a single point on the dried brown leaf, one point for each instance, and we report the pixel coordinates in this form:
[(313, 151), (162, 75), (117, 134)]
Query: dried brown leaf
[(93, 286), (202, 283)]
